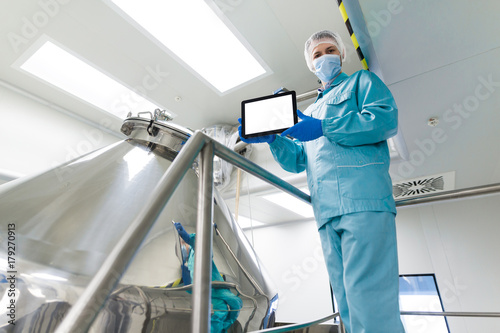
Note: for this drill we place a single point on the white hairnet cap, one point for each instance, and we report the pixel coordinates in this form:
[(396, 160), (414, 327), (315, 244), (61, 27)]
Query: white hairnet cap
[(320, 37)]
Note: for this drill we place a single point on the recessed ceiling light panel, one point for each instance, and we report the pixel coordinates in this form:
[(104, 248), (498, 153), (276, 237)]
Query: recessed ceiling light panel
[(193, 33), (61, 68)]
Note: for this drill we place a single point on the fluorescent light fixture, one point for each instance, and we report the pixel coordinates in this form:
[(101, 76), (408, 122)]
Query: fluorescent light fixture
[(64, 70), (291, 203), (195, 34)]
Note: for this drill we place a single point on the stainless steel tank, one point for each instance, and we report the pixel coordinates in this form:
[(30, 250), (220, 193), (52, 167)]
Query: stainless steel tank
[(59, 226)]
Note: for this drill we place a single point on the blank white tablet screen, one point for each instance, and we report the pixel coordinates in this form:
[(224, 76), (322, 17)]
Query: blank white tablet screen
[(269, 114)]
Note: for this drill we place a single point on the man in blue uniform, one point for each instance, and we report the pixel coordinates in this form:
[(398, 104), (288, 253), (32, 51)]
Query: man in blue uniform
[(341, 143)]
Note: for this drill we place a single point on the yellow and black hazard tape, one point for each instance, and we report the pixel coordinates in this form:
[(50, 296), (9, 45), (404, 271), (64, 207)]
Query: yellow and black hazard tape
[(351, 33)]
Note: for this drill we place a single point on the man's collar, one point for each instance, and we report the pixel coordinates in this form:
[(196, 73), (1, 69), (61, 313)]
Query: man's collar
[(338, 80)]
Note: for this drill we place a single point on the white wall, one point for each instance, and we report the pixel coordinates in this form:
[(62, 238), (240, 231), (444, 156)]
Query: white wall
[(455, 240), (36, 137), (458, 242), (293, 257)]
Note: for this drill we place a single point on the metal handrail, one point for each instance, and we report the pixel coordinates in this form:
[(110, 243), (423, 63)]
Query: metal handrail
[(292, 327), (84, 311)]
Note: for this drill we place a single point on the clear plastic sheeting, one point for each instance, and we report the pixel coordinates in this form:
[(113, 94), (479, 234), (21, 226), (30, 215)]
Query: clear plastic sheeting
[(67, 220), (228, 136)]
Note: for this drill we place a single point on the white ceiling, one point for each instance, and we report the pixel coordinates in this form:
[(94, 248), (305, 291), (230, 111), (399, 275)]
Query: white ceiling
[(274, 29), (434, 55)]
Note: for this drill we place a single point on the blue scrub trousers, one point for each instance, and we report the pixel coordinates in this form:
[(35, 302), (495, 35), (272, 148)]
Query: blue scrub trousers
[(361, 256)]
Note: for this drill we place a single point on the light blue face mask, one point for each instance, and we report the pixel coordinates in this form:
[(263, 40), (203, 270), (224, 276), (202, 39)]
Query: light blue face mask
[(327, 67)]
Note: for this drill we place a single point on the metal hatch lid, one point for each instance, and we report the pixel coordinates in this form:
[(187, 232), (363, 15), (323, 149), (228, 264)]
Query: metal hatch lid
[(156, 128)]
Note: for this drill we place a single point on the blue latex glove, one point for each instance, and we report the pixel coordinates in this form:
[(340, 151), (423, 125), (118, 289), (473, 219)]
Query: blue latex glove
[(186, 275), (182, 232), (307, 129), (259, 139)]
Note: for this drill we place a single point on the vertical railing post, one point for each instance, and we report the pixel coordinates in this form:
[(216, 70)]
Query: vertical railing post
[(202, 275), (341, 326)]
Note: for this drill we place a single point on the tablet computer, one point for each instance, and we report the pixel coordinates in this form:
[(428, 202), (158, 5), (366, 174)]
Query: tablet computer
[(266, 115)]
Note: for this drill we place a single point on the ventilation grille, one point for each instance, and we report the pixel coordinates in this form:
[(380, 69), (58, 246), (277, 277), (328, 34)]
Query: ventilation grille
[(424, 185)]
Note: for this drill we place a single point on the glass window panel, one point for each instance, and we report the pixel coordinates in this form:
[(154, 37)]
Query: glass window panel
[(420, 293)]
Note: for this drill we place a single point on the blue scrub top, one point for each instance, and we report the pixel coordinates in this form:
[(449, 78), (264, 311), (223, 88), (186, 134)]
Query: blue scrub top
[(348, 167)]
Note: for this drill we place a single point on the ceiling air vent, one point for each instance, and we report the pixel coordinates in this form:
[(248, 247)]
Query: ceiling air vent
[(424, 185)]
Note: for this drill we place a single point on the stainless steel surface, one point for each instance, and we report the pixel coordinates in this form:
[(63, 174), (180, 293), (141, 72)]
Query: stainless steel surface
[(203, 260), (84, 311), (450, 195), (70, 219), (156, 115), (341, 326), (146, 309)]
